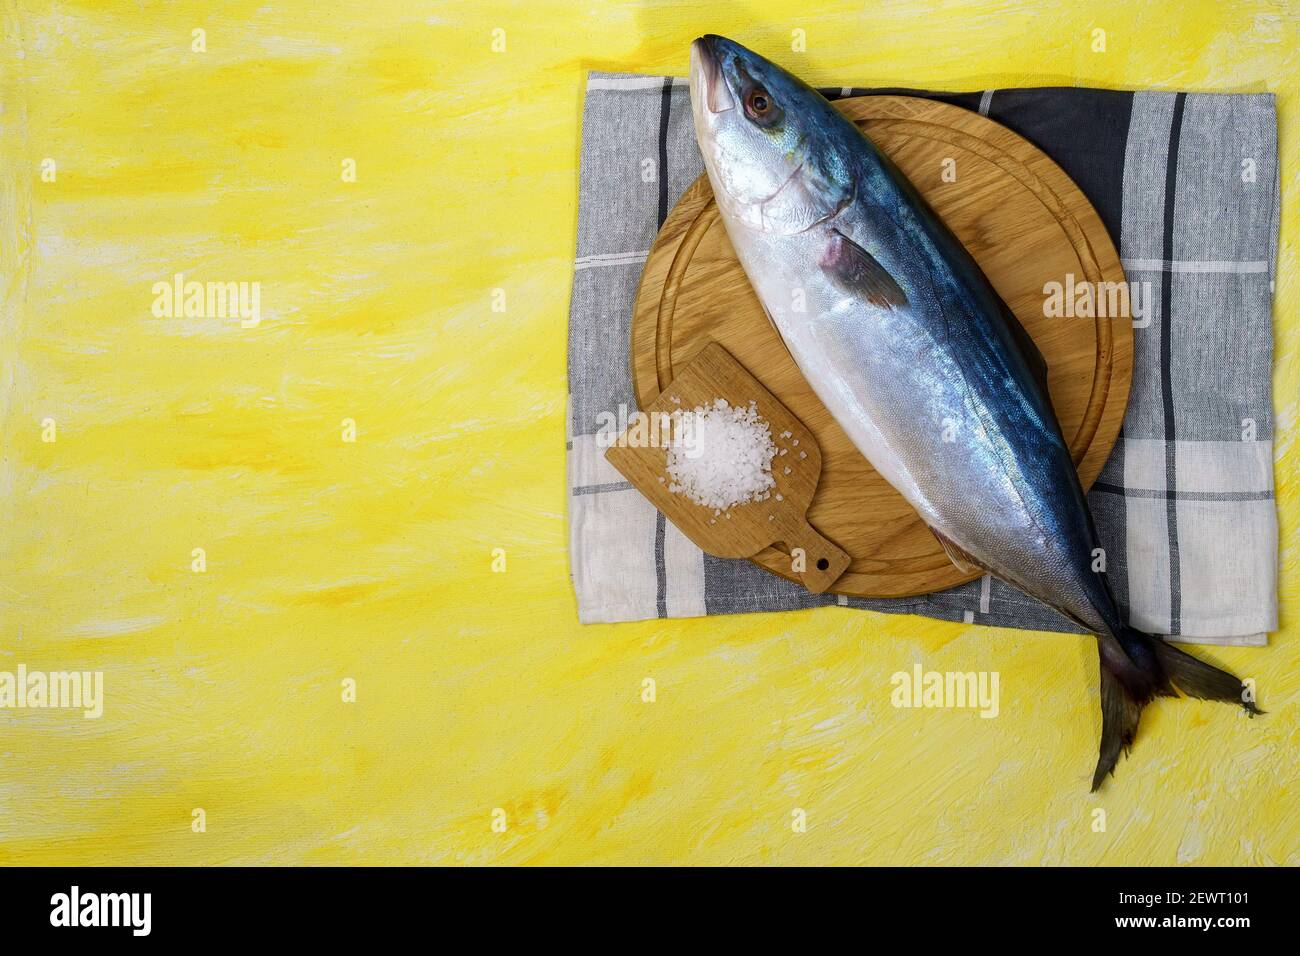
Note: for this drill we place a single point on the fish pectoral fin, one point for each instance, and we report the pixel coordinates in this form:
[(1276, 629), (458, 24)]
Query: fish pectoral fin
[(854, 269), (960, 559)]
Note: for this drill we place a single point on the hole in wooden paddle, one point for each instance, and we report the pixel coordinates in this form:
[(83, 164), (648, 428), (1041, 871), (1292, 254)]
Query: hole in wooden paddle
[(822, 564)]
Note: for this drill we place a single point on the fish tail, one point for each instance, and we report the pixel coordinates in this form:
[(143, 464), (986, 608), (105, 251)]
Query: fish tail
[(1137, 667)]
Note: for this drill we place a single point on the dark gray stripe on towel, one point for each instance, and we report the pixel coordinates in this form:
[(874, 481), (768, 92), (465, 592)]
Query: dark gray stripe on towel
[(665, 110), (1166, 375)]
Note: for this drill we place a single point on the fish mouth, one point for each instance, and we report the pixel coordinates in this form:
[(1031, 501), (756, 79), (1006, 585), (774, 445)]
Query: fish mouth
[(710, 85)]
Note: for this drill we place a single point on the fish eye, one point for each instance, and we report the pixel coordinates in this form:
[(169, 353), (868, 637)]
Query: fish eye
[(762, 109), (758, 103)]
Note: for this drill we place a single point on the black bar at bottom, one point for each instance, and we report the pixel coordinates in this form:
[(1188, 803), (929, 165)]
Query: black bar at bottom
[(338, 904)]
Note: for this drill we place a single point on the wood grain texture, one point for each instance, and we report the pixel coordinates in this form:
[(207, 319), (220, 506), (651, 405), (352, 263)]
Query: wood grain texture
[(1026, 224), (779, 523)]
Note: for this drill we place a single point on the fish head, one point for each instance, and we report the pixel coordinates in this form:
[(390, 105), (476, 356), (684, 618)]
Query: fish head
[(770, 142)]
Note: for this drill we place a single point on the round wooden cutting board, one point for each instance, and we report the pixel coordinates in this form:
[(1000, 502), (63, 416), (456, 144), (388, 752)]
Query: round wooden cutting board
[(1023, 220)]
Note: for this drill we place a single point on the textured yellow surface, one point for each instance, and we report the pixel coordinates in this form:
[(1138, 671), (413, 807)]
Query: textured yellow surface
[(372, 560)]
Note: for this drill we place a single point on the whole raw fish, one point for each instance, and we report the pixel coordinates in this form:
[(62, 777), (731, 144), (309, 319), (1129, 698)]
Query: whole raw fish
[(919, 360)]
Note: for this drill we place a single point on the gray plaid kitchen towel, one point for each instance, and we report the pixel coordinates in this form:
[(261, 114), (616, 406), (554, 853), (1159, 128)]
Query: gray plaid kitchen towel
[(1188, 185)]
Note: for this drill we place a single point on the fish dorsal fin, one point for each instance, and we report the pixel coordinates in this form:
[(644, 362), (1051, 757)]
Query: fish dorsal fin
[(1033, 357), (960, 559), (856, 270)]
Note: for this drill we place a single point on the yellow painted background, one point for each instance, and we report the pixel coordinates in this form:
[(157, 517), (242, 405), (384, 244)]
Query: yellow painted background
[(371, 560)]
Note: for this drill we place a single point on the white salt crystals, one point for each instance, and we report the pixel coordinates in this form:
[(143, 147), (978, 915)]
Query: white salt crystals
[(721, 455)]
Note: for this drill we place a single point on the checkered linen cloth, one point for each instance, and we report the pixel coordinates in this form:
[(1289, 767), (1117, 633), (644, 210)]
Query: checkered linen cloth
[(1187, 183)]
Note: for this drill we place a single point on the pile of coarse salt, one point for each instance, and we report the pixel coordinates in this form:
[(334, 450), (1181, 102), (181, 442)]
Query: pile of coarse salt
[(721, 455)]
